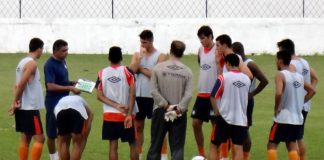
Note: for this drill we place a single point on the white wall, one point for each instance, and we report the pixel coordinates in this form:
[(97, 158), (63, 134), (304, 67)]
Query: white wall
[(97, 35)]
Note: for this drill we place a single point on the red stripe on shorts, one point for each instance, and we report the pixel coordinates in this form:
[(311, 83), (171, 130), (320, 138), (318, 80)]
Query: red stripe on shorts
[(273, 131), (212, 136), (37, 125)]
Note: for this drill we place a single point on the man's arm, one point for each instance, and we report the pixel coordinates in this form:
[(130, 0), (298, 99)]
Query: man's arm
[(120, 107), (28, 73), (314, 78), (243, 68), (59, 88), (184, 102), (147, 72), (279, 83), (129, 120), (135, 62), (155, 91), (258, 74), (310, 91), (216, 93)]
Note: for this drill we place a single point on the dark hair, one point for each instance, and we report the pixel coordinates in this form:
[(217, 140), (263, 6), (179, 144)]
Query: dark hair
[(146, 35), (177, 48), (35, 43), (288, 45), (224, 39), (58, 44), (285, 56), (205, 31), (232, 59), (238, 48), (115, 55)]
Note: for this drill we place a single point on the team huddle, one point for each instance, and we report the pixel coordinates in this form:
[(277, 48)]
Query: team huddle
[(160, 89)]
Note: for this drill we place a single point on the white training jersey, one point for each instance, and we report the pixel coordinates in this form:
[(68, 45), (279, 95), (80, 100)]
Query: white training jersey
[(207, 72), (32, 96), (292, 100), (115, 84), (302, 67), (72, 102), (232, 96), (143, 88), (253, 82)]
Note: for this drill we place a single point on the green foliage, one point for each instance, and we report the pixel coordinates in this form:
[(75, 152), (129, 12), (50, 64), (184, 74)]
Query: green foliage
[(87, 66)]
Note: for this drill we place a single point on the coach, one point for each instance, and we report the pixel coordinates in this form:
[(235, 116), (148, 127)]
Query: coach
[(171, 88)]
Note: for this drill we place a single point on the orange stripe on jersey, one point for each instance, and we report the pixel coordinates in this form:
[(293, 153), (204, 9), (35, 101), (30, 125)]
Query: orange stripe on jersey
[(219, 92), (37, 126), (129, 77), (204, 95), (100, 79), (212, 136), (273, 131), (206, 50), (115, 117)]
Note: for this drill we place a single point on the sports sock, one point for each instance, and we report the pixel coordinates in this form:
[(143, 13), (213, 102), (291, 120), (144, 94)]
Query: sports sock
[(54, 156), (23, 151), (164, 149), (36, 151), (246, 156), (201, 151), (164, 156), (272, 154), (293, 155), (224, 150)]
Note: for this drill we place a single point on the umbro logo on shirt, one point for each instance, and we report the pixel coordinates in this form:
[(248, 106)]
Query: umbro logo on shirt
[(305, 71), (174, 67), (238, 84), (114, 79), (296, 84), (205, 67)]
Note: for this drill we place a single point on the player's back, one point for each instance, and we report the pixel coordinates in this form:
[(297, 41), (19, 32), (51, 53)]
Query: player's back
[(292, 99)]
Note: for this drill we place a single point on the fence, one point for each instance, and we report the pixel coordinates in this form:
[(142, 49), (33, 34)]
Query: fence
[(119, 9)]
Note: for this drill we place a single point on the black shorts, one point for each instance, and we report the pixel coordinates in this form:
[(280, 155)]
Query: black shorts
[(145, 108), (116, 130), (28, 122), (301, 135), (249, 111), (202, 109), (51, 128), (284, 133), (69, 121), (222, 131)]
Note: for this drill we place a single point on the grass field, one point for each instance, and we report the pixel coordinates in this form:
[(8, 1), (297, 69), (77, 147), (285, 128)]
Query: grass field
[(86, 66)]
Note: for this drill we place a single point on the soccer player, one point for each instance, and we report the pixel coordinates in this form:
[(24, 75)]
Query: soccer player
[(224, 47), (202, 110), (74, 118), (27, 101), (289, 101), (142, 63), (171, 88), (238, 48), (229, 99), (57, 86), (302, 67), (116, 90)]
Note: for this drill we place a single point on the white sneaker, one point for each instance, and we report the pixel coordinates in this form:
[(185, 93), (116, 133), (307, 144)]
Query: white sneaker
[(198, 158)]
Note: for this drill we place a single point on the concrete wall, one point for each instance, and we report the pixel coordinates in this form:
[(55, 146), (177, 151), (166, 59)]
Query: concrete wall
[(97, 35)]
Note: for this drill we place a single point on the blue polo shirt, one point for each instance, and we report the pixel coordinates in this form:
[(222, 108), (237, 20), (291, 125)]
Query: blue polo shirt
[(55, 71)]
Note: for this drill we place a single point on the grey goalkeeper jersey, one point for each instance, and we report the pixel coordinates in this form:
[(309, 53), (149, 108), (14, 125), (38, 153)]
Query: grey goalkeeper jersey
[(171, 83)]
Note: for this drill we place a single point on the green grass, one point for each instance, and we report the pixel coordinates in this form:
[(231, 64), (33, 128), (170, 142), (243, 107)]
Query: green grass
[(87, 66)]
